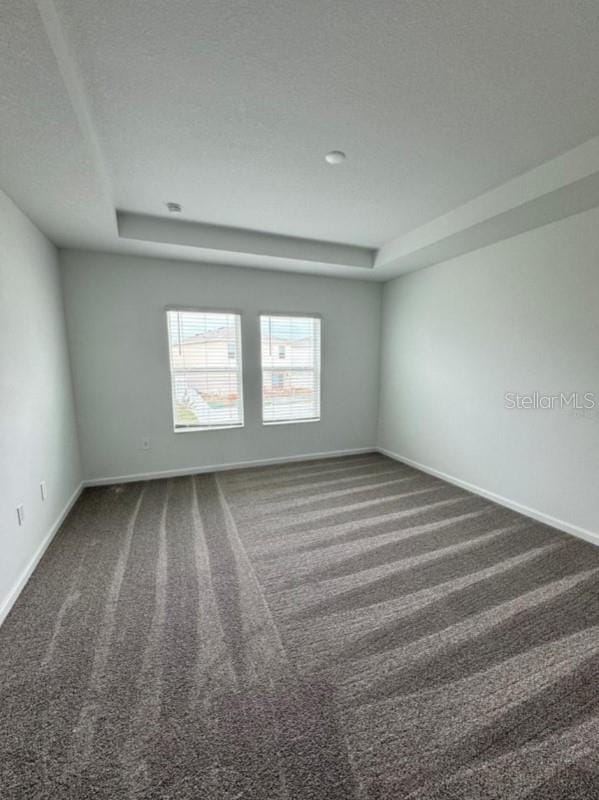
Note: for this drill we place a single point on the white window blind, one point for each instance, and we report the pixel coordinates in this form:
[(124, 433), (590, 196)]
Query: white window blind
[(205, 360), (290, 368)]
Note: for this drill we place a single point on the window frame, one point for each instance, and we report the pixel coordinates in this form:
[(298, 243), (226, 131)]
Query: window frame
[(301, 315), (206, 428)]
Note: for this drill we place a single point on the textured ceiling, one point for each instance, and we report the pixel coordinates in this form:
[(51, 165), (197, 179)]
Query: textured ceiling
[(229, 107)]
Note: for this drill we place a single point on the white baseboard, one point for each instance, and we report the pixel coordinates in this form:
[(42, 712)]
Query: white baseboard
[(533, 513), (539, 516), (261, 462), (9, 601)]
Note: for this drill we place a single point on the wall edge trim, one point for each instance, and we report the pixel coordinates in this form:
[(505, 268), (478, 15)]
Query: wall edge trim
[(533, 513), (11, 598), (261, 462)]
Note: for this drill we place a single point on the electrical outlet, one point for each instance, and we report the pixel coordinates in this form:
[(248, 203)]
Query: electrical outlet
[(43, 490), (145, 443), (21, 514)]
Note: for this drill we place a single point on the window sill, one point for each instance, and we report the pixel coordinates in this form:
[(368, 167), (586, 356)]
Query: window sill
[(290, 422), (210, 428)]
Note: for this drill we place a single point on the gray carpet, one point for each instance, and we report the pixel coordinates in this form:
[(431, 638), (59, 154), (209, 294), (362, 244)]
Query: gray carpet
[(345, 628)]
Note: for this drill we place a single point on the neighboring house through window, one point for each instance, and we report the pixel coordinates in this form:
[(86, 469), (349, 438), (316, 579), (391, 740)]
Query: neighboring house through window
[(290, 391), (205, 363)]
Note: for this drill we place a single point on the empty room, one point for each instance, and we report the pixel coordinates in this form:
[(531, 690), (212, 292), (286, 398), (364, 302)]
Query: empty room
[(299, 400)]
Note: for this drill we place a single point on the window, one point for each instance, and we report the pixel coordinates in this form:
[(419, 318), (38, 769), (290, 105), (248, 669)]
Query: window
[(205, 360), (290, 392)]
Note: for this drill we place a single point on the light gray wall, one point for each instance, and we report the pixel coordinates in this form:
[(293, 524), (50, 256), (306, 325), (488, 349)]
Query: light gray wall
[(117, 333), (38, 439), (521, 315)]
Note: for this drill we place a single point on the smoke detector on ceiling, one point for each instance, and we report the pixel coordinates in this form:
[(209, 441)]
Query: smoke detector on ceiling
[(335, 157), (174, 208)]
